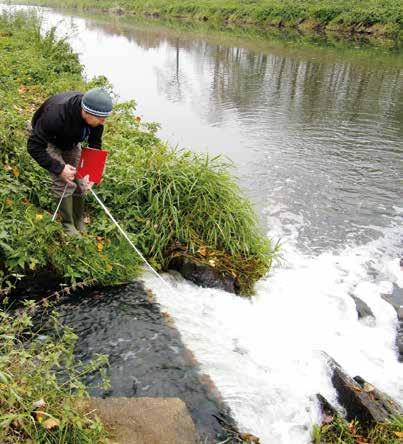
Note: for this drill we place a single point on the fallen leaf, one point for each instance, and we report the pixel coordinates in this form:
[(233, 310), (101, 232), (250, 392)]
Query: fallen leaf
[(51, 423), (22, 89), (212, 262), (39, 416), (248, 437), (16, 171), (399, 434), (39, 217), (368, 387), (9, 201), (202, 251), (150, 296), (167, 319), (351, 428)]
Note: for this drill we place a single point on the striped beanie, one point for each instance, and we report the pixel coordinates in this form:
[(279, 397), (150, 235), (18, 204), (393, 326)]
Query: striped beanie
[(97, 102)]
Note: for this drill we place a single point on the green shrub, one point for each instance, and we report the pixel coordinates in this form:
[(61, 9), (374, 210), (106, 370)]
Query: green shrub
[(41, 393)]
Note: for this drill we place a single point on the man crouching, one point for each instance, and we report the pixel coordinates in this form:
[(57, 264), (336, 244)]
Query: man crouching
[(57, 129)]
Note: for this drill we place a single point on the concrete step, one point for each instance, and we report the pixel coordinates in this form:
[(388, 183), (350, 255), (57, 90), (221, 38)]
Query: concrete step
[(145, 420)]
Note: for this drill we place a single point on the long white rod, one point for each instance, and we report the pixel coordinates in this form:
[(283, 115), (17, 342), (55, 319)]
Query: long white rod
[(128, 240), (58, 205)]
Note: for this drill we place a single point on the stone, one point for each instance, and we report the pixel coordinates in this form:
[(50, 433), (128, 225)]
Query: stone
[(325, 406), (363, 309), (146, 420), (203, 274), (360, 399), (399, 341)]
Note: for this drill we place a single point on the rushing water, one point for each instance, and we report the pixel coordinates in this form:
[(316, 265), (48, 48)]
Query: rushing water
[(315, 135)]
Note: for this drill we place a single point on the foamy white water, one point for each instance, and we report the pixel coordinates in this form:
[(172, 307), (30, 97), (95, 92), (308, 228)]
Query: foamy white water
[(266, 354)]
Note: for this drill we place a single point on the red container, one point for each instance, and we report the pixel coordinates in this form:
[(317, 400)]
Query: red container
[(92, 162)]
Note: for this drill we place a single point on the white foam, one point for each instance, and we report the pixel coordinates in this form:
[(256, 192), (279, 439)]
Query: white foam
[(265, 355)]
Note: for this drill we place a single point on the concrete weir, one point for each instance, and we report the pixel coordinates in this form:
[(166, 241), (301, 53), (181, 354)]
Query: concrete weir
[(146, 420), (150, 370)]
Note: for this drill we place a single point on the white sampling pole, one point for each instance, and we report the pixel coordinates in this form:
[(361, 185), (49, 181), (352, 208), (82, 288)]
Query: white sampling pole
[(128, 240), (58, 205)]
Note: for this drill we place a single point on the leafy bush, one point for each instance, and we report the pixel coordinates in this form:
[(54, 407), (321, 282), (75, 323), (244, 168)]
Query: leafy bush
[(41, 393)]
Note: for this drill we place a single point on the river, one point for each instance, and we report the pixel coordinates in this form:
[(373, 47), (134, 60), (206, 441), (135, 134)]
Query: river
[(315, 136)]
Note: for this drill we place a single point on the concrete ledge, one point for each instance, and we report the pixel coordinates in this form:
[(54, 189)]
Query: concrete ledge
[(146, 420)]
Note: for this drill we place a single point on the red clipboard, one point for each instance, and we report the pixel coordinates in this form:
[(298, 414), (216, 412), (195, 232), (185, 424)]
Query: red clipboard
[(92, 162)]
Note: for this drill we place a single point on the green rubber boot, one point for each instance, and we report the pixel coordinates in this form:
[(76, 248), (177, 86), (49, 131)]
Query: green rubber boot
[(66, 214), (78, 213)]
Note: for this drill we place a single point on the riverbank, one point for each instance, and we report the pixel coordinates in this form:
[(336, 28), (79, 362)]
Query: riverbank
[(348, 19), (177, 203)]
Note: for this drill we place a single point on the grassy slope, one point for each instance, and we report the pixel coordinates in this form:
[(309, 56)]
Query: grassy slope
[(32, 68), (379, 17), (162, 196)]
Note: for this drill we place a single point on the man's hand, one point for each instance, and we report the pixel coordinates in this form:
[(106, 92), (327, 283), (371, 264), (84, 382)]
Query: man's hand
[(85, 183), (68, 173)]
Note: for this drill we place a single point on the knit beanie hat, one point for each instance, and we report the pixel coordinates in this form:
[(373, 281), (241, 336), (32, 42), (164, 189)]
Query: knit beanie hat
[(97, 102)]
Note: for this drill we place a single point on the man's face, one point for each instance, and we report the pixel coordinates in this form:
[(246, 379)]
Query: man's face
[(92, 120)]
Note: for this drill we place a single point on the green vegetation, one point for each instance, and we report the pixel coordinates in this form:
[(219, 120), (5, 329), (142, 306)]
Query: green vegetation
[(173, 202), (381, 18), (339, 431), (32, 68), (41, 397)]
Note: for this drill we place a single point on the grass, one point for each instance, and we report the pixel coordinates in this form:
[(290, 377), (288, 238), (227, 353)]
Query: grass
[(162, 196), (339, 431), (42, 399), (382, 18)]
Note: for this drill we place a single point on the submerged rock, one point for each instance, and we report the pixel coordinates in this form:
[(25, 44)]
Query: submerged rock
[(363, 309)]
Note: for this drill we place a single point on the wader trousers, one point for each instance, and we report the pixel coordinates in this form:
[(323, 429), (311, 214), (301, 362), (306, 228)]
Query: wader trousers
[(71, 157)]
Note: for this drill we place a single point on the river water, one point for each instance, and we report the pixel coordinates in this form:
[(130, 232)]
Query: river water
[(315, 135)]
